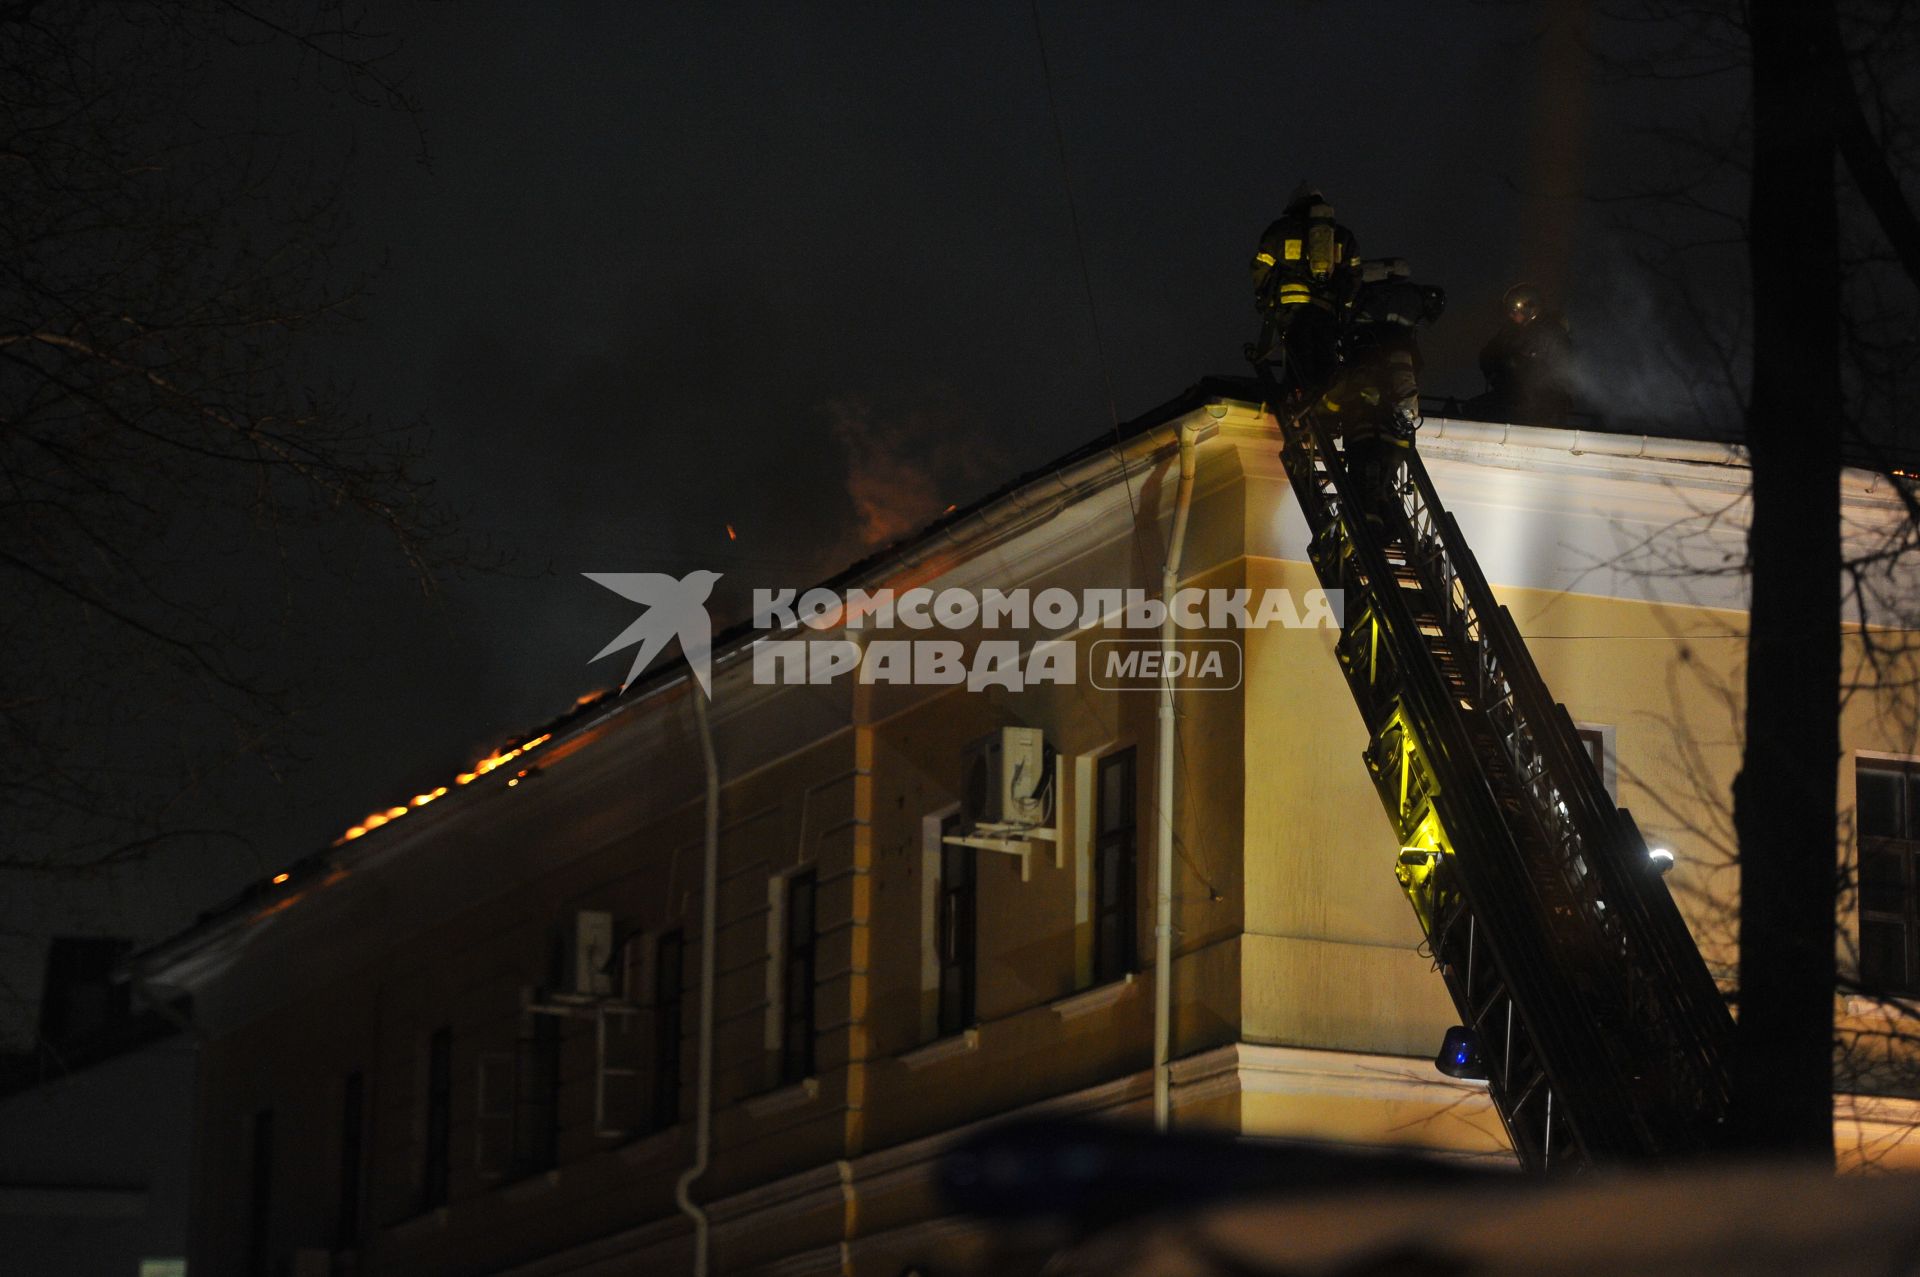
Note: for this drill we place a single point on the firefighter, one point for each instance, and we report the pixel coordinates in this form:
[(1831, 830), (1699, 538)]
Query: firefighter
[(1527, 364), (1304, 276), (1375, 402)]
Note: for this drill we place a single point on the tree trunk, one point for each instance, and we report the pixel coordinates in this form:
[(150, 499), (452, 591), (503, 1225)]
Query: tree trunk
[(1785, 795)]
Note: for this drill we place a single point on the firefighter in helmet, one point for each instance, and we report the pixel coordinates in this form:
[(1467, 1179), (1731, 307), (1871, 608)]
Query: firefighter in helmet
[(1304, 276), (1527, 363), (1375, 402)]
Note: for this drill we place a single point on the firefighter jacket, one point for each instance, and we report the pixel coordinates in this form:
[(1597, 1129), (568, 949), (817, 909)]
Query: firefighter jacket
[(1526, 361), (1306, 258)]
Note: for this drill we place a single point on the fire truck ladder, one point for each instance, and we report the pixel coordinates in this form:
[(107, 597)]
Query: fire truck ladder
[(1602, 1034)]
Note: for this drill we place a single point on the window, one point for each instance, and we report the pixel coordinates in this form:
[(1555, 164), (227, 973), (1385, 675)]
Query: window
[(1116, 862), (633, 967), (1887, 812), (493, 1113), (433, 1168), (536, 1110), (1597, 740), (796, 975), (353, 1102), (260, 1203), (669, 957), (1596, 746), (956, 932)]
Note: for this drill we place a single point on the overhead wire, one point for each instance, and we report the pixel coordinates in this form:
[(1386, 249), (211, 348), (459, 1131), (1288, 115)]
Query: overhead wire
[(1080, 246), (1106, 373)]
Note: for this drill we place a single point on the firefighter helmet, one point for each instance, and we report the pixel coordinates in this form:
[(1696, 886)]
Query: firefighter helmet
[(1522, 303), (1307, 201)]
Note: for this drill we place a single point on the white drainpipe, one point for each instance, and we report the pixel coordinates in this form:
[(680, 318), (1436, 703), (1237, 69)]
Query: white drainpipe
[(1191, 434), (709, 891)]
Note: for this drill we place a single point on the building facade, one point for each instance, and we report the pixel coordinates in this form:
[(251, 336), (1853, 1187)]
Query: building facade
[(465, 1040)]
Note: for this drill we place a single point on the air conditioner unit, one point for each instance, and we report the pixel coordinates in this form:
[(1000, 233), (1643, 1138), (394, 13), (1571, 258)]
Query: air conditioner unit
[(1005, 780), (590, 950)]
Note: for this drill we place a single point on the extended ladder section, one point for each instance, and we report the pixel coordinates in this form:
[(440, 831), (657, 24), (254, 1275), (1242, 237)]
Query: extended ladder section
[(1602, 1034)]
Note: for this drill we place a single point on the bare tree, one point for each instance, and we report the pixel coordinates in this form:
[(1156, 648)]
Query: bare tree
[(1784, 798), (167, 270), (1805, 183)]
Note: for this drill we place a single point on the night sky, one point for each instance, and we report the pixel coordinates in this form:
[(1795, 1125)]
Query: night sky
[(810, 271)]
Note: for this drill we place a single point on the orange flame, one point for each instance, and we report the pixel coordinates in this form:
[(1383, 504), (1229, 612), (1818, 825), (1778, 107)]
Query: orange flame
[(481, 768)]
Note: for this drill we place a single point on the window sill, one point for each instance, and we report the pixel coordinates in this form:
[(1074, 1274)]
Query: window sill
[(792, 1096), (1891, 1006), (1098, 998), (650, 1147), (530, 1185), (419, 1225), (944, 1049)]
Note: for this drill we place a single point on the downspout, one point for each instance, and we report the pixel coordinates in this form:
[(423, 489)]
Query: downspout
[(1190, 436), (709, 891)]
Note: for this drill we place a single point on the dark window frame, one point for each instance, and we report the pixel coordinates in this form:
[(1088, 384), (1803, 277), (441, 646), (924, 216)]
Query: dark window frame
[(798, 954), (353, 1153), (956, 934), (1116, 866), (1889, 903), (1594, 741), (669, 977), (536, 1098), (1598, 741), (436, 1162)]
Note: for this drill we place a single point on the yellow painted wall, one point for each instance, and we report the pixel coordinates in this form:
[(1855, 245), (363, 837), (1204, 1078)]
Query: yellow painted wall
[(1290, 930)]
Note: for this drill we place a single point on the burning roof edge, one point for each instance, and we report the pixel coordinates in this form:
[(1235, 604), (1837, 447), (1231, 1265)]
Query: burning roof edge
[(183, 955)]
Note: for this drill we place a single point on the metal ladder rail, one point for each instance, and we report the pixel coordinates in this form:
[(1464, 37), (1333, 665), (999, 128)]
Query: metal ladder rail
[(1669, 991), (1617, 853), (1507, 912), (1507, 909), (1602, 1102), (1540, 1133), (1641, 1032)]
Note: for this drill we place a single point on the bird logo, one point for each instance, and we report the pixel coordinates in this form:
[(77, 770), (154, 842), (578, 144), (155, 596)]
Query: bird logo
[(676, 607)]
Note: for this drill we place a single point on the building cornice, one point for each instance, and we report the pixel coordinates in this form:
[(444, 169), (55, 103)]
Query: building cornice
[(1640, 481)]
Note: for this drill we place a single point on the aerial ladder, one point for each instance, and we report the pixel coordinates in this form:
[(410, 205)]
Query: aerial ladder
[(1601, 1032)]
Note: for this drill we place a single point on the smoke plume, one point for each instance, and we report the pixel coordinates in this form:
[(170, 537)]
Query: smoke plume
[(904, 469)]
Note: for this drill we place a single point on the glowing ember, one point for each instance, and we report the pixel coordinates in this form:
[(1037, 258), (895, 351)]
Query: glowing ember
[(730, 535), (480, 769), (280, 878)]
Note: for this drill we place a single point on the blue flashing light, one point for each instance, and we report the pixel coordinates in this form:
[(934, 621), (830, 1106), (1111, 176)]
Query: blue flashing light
[(1460, 1055)]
